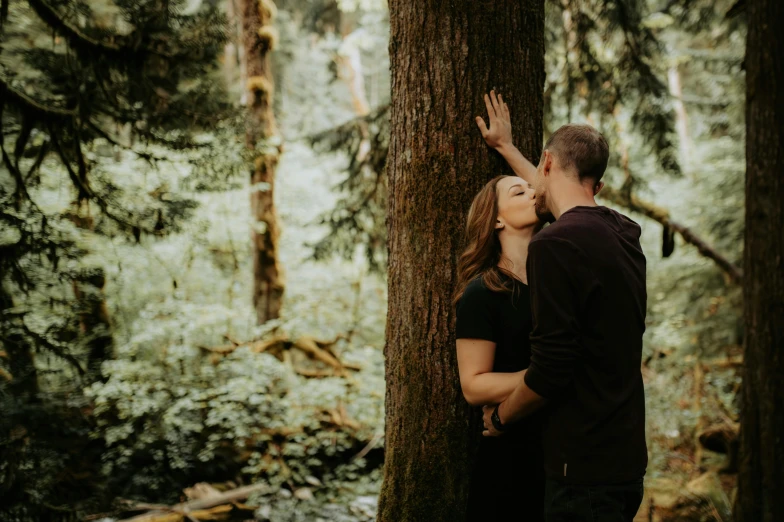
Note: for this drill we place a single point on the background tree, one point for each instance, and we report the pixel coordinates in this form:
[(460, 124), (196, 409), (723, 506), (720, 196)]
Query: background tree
[(762, 424), (444, 57), (264, 145)]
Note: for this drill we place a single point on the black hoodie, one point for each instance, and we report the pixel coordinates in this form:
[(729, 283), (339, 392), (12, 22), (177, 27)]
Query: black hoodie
[(588, 299)]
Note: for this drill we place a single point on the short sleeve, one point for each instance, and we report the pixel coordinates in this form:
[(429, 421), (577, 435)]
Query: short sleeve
[(475, 318)]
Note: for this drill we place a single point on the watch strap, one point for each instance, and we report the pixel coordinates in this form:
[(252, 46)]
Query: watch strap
[(496, 420)]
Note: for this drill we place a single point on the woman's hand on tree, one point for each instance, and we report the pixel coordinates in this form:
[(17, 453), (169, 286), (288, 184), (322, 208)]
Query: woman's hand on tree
[(499, 134)]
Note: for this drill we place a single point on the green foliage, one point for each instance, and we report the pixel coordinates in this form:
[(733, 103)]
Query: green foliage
[(602, 58), (358, 217), (93, 97), (182, 416)]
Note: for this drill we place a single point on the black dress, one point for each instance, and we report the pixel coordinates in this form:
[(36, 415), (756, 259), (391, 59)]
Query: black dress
[(507, 481)]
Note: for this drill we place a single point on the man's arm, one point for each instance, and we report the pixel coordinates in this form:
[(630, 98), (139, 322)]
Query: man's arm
[(522, 402), (499, 136), (557, 277)]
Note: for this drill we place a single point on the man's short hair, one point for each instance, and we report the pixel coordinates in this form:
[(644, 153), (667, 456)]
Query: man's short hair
[(581, 147)]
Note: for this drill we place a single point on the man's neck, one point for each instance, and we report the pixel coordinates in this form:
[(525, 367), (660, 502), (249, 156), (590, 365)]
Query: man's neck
[(570, 195)]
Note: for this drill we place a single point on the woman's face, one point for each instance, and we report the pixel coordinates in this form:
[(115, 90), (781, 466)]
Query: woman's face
[(516, 204)]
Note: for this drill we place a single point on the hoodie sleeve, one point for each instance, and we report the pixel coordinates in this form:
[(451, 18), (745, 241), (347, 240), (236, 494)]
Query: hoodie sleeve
[(559, 280)]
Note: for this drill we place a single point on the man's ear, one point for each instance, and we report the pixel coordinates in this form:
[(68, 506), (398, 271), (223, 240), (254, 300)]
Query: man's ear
[(547, 159), (598, 187)]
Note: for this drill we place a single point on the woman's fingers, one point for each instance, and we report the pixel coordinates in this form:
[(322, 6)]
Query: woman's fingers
[(503, 108), (490, 108), (482, 127), (496, 103)]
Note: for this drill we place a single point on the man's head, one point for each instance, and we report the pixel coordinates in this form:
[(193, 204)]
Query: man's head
[(574, 154)]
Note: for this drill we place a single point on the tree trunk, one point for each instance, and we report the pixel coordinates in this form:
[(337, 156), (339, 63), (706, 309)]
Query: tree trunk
[(761, 476), (444, 57), (681, 117), (88, 286), (94, 323), (264, 144)]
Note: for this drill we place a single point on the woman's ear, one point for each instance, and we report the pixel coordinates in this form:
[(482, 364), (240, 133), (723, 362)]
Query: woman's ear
[(498, 224)]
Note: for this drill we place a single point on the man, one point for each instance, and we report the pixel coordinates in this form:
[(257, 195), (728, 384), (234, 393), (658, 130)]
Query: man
[(588, 298)]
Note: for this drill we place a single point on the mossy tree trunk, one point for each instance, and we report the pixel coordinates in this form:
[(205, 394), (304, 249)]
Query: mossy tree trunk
[(761, 474), (264, 145), (444, 57)]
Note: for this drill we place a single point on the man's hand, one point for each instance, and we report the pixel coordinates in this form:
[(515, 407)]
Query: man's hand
[(490, 431), (499, 134)]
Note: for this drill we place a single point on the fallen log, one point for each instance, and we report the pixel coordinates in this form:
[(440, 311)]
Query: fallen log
[(279, 346), (199, 509)]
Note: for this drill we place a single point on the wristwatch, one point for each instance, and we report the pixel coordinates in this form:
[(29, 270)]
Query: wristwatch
[(496, 420)]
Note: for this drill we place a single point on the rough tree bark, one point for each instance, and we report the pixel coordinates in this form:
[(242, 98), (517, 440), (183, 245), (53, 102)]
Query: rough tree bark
[(444, 57), (761, 475), (263, 142)]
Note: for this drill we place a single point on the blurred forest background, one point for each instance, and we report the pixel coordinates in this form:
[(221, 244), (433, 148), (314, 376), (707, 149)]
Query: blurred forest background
[(193, 247)]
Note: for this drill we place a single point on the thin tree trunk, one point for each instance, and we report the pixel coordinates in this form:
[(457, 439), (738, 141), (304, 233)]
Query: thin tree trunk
[(88, 288), (444, 57), (761, 475), (350, 62), (94, 320), (681, 118), (264, 144)]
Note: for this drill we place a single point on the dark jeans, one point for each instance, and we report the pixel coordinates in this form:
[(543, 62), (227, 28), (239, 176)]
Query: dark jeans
[(579, 503)]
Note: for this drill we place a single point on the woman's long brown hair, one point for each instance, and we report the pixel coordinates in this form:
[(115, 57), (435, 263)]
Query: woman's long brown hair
[(483, 248)]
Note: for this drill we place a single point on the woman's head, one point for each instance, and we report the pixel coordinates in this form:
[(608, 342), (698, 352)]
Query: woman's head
[(504, 207), (515, 205)]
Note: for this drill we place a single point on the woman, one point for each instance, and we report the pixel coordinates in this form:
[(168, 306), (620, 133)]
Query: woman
[(493, 327)]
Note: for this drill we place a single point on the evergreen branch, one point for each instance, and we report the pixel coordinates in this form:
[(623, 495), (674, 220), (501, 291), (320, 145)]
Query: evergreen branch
[(83, 42), (21, 189), (56, 348), (43, 150), (148, 156), (74, 36), (13, 168), (662, 216), (85, 192), (26, 102)]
